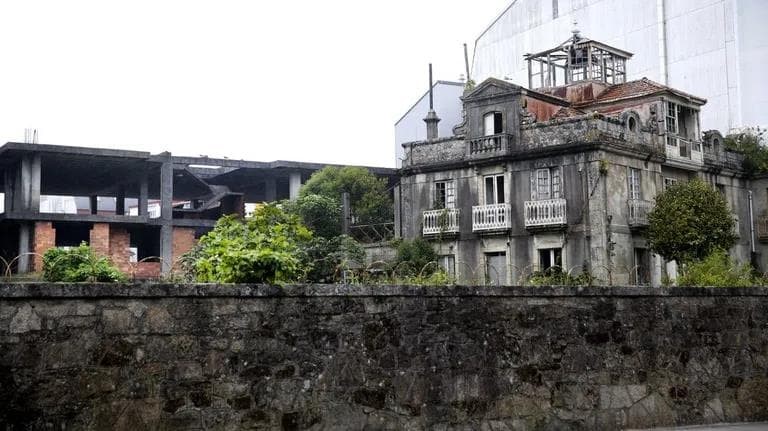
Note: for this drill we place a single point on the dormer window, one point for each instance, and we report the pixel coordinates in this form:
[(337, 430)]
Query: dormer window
[(492, 124)]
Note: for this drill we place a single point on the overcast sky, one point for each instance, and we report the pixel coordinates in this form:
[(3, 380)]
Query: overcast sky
[(320, 81)]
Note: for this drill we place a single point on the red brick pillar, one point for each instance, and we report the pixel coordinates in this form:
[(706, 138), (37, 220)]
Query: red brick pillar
[(100, 239), (119, 242), (45, 238), (183, 241)]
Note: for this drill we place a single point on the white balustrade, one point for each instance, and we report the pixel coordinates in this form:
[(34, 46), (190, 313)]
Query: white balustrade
[(491, 217), (545, 212), (440, 221)]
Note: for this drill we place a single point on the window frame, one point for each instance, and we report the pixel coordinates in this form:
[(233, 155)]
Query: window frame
[(634, 183), (448, 198), (553, 183), (499, 194), (497, 120)]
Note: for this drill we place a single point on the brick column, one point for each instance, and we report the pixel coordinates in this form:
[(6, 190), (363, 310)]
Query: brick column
[(100, 239), (119, 242), (183, 241), (45, 239)]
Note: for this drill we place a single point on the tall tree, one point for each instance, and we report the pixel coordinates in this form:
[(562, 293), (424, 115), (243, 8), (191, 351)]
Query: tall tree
[(368, 195), (689, 221)]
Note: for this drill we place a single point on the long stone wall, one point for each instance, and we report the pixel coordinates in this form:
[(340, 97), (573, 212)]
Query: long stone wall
[(379, 357)]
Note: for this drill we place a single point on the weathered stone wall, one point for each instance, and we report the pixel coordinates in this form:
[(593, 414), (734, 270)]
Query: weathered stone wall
[(382, 357)]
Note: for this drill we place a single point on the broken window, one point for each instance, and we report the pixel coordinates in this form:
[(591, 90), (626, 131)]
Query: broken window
[(492, 124), (546, 184), (445, 195), (494, 189), (448, 263), (633, 180), (549, 258)]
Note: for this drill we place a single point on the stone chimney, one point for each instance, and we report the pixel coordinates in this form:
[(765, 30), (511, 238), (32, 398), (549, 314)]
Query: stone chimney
[(431, 119)]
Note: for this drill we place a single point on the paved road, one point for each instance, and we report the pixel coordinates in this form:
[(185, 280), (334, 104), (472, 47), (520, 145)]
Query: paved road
[(761, 426)]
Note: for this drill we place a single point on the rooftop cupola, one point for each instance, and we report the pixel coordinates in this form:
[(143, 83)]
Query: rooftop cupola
[(575, 60)]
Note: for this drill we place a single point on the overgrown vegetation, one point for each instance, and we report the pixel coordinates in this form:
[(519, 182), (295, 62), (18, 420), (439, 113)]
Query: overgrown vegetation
[(555, 276), (750, 143), (415, 257), (78, 264), (717, 269), (368, 197), (265, 248), (319, 213), (326, 258), (689, 221)]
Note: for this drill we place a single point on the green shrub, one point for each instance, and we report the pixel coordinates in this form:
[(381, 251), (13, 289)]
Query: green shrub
[(78, 264), (717, 269), (555, 276), (268, 247), (327, 257), (413, 256)]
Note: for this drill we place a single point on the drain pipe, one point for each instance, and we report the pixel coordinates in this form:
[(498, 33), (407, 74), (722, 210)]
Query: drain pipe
[(661, 24), (751, 225)]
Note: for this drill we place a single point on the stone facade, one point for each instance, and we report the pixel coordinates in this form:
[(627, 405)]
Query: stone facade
[(564, 177), (379, 357)]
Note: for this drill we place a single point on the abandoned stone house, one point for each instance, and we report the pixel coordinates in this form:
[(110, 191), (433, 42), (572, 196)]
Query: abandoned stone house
[(564, 172), (121, 187)]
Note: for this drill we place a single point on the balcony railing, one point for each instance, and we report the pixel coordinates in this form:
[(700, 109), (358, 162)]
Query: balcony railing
[(489, 145), (638, 212), (491, 217), (684, 149), (550, 212), (440, 221)]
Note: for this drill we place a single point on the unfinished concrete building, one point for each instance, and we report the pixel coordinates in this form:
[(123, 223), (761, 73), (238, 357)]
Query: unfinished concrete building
[(122, 187), (563, 173)]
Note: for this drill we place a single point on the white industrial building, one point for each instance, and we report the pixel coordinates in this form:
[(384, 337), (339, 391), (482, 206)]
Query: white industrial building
[(716, 49), (712, 48)]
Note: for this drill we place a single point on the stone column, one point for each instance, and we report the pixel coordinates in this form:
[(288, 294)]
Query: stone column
[(270, 190), (120, 201), (166, 215), (143, 195), (25, 246), (26, 195), (294, 185)]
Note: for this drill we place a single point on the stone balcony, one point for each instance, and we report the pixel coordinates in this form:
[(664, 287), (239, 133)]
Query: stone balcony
[(488, 218), (637, 214), (490, 145), (441, 221), (685, 151), (548, 213)]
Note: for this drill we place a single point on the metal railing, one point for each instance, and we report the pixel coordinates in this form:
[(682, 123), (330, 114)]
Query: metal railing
[(684, 149), (638, 212), (444, 220), (491, 217), (489, 144), (549, 212)]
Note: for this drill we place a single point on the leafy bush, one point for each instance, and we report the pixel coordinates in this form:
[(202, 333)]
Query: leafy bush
[(750, 143), (78, 264), (413, 256), (717, 269), (265, 248), (326, 257), (689, 221), (555, 276)]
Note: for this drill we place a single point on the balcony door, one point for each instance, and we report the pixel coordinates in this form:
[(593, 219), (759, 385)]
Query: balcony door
[(496, 268), (494, 189), (492, 124), (546, 184)]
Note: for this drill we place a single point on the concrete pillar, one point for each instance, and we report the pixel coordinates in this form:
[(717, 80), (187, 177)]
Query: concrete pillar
[(120, 201), (398, 212), (270, 190), (8, 190), (25, 246), (166, 216), (294, 185), (94, 201), (346, 214), (27, 185), (143, 195)]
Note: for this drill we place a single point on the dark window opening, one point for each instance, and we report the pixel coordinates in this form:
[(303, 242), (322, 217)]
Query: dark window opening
[(146, 242), (642, 266), (550, 257), (72, 234), (492, 124), (632, 124)]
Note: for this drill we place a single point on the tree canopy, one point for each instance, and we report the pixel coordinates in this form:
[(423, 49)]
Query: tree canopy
[(690, 220), (369, 200), (321, 214)]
